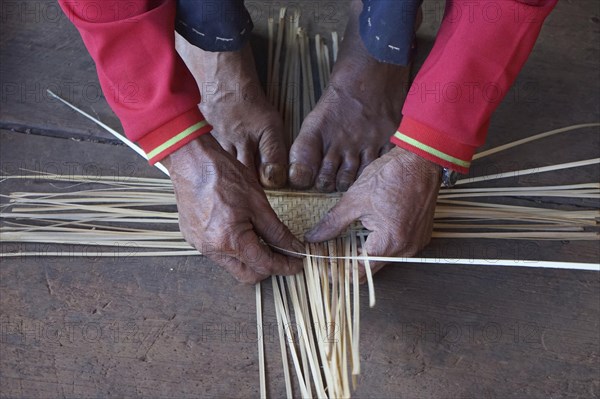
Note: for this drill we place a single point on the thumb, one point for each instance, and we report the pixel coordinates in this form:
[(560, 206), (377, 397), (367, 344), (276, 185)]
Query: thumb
[(335, 221), (273, 231)]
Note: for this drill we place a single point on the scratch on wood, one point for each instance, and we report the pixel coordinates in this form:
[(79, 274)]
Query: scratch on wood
[(160, 333), (48, 285)]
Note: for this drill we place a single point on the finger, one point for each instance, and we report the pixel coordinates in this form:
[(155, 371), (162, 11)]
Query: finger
[(326, 179), (246, 154), (273, 231), (335, 221), (237, 269), (273, 160), (305, 156), (367, 157), (262, 259), (347, 173)]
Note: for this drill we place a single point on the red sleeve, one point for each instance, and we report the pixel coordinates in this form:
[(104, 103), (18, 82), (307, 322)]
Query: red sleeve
[(479, 50), (143, 78)]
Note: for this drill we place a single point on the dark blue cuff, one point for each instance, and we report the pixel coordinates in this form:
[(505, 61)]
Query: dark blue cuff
[(214, 25), (387, 28)]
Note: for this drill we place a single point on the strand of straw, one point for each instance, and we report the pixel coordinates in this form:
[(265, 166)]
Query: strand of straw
[(530, 171), (516, 143), (286, 322), (118, 135), (261, 344), (277, 61), (472, 262), (280, 330), (270, 57), (335, 45)]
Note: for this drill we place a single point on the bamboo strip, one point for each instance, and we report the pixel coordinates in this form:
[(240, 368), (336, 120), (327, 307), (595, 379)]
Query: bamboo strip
[(528, 188), (305, 68), (528, 263), (368, 272), (270, 56), (315, 301), (290, 340), (326, 64), (525, 172), (280, 330), (311, 81), (530, 235), (261, 347), (297, 120), (356, 308), (301, 329), (516, 143), (560, 194), (307, 336), (118, 135), (277, 60), (335, 44), (344, 331), (318, 50)]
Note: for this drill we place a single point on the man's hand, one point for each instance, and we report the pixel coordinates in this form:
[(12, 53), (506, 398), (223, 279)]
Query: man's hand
[(395, 199), (224, 213)]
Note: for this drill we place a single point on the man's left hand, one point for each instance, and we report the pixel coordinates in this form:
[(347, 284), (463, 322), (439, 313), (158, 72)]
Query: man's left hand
[(395, 199)]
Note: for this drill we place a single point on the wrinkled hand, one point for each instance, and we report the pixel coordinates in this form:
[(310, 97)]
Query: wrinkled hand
[(224, 213), (395, 199)]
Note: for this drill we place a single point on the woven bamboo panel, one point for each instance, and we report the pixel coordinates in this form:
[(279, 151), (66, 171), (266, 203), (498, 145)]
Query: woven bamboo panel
[(300, 211)]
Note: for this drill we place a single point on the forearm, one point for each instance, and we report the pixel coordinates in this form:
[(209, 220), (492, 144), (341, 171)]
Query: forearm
[(479, 51), (143, 79)]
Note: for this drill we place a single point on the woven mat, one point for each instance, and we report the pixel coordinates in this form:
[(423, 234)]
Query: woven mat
[(300, 211)]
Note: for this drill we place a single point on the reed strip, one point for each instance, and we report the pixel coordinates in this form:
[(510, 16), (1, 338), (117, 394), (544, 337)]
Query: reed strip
[(368, 272), (517, 143), (118, 135), (531, 171), (280, 330), (335, 45), (261, 344), (277, 59), (270, 57)]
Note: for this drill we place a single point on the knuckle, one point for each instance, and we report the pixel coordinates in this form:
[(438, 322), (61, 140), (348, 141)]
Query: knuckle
[(328, 167)]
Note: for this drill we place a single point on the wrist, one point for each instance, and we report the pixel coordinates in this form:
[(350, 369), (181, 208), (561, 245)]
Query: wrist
[(417, 162), (197, 149)]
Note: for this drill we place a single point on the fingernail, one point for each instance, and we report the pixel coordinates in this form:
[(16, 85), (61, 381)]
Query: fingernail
[(344, 186), (325, 186), (273, 175), (310, 235), (301, 176)]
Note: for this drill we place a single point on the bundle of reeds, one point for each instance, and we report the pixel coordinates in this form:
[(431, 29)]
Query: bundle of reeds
[(290, 77)]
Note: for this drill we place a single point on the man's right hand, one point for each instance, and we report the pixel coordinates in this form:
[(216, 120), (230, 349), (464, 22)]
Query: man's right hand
[(224, 213)]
